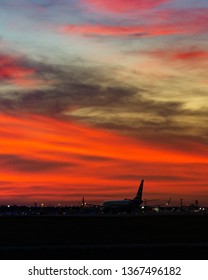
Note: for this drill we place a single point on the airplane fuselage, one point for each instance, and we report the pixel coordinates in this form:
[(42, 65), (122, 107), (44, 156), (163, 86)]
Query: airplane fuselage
[(121, 204)]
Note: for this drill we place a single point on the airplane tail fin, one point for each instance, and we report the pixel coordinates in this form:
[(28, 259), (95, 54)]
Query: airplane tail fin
[(140, 190), (168, 201)]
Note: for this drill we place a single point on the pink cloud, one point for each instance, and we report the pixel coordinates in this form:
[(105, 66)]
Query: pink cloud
[(11, 68), (128, 30), (15, 70), (192, 55), (164, 22), (99, 29), (160, 23), (122, 6), (193, 20)]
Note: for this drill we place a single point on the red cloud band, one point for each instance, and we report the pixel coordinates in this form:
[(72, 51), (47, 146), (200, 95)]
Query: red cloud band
[(43, 156)]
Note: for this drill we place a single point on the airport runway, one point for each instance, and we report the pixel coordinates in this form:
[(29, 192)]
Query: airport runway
[(105, 237)]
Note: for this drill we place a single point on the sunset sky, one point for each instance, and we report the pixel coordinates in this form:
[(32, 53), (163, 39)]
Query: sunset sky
[(96, 95)]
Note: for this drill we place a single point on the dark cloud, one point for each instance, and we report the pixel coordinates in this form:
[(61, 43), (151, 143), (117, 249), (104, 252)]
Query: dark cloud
[(22, 164), (95, 158), (72, 85), (43, 188), (9, 188), (91, 94)]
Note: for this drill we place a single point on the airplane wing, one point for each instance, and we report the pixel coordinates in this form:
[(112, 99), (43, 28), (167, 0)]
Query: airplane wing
[(157, 205), (95, 205)]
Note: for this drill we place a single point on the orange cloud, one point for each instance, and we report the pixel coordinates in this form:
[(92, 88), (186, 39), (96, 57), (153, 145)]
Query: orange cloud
[(47, 159)]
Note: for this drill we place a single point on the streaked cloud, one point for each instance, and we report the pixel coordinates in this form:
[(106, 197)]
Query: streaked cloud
[(18, 163), (90, 94), (162, 22), (165, 23), (48, 156)]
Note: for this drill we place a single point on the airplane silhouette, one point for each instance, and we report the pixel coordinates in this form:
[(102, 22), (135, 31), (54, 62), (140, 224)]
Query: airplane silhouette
[(121, 205)]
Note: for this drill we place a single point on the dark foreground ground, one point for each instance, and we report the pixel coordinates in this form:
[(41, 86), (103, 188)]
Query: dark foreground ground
[(107, 237)]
